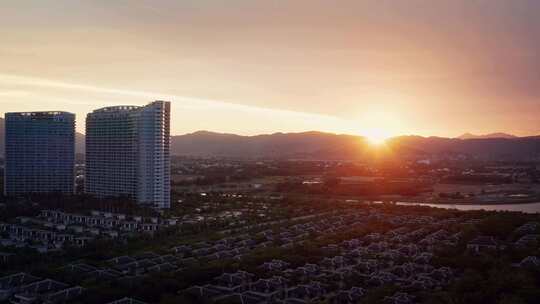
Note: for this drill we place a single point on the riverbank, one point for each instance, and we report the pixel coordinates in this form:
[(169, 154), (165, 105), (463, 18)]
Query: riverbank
[(531, 208), (479, 203)]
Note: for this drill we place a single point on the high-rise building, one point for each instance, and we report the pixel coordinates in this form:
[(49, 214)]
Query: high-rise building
[(127, 153), (39, 153)]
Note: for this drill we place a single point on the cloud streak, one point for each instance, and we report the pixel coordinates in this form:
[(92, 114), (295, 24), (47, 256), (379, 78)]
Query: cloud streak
[(179, 103)]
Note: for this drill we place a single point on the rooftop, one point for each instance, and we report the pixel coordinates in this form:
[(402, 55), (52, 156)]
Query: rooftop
[(116, 109)]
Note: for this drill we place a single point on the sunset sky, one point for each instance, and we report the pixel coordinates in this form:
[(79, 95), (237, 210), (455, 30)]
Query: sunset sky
[(251, 66)]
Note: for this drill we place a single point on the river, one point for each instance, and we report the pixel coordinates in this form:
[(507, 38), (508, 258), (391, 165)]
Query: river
[(526, 208)]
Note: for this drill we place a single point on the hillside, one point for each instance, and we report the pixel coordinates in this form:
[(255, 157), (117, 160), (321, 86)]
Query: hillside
[(319, 145), (2, 132), (299, 145), (80, 143), (519, 148), (486, 136), (330, 146)]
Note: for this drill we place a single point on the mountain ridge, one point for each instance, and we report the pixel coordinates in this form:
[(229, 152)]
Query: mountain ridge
[(2, 135), (486, 136), (323, 145)]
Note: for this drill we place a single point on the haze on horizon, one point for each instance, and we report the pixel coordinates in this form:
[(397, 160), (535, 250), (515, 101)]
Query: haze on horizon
[(398, 67)]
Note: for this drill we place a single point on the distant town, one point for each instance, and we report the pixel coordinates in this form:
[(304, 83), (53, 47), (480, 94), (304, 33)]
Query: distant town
[(388, 228)]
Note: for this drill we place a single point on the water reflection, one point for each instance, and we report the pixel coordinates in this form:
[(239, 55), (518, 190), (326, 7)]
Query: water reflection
[(526, 208)]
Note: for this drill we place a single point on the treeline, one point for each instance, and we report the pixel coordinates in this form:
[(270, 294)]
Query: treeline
[(31, 205), (333, 186), (477, 179)]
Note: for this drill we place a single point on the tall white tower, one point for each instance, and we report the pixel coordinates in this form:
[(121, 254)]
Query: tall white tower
[(127, 153)]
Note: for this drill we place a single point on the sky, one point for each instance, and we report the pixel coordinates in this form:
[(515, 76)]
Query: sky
[(432, 68)]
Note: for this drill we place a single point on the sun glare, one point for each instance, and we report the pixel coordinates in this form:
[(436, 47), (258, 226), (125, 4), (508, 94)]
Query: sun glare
[(378, 125), (376, 137)]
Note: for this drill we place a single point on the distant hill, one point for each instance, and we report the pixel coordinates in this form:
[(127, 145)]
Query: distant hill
[(319, 145), (2, 135), (299, 145), (80, 145), (486, 136), (515, 148)]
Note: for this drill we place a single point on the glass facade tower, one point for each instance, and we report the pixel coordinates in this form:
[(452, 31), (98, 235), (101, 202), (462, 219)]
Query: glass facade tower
[(39, 152)]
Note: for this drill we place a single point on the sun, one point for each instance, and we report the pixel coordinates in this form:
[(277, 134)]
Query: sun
[(377, 125), (377, 141), (376, 137)]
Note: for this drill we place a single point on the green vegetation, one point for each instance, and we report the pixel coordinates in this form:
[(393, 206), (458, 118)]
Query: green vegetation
[(489, 277)]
